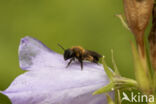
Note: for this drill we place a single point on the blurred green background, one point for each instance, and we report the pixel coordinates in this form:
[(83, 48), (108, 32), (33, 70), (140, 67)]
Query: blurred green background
[(89, 23)]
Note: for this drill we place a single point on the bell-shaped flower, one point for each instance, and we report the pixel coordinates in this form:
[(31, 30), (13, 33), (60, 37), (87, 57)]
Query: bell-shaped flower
[(48, 81)]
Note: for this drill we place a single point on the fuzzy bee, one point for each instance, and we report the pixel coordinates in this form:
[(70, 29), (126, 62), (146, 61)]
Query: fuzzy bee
[(79, 53)]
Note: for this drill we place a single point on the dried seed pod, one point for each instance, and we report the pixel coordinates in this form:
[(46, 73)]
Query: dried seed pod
[(137, 14)]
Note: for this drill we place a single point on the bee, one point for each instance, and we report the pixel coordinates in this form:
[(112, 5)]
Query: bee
[(81, 54)]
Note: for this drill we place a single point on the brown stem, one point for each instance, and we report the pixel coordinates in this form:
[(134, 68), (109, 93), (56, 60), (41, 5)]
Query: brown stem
[(140, 42), (152, 39)]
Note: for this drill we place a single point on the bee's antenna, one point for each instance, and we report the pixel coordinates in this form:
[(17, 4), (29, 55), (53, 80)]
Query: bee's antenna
[(60, 46)]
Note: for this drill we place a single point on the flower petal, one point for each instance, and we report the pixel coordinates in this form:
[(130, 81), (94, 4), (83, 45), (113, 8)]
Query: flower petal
[(50, 82), (58, 87), (33, 54)]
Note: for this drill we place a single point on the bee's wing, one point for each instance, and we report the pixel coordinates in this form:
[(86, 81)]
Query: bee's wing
[(95, 55)]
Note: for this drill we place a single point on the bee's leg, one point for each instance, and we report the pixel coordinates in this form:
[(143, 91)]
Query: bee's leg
[(70, 62), (81, 62)]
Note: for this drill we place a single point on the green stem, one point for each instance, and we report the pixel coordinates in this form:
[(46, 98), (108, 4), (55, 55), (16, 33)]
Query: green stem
[(126, 82)]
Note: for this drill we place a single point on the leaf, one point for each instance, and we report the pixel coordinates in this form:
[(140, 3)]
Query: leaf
[(114, 64), (109, 73), (105, 89), (4, 99), (109, 99), (123, 21)]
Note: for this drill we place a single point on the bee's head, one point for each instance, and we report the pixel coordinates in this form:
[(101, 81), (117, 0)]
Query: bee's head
[(68, 53)]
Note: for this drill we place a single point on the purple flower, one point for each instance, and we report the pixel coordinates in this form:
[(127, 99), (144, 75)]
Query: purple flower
[(48, 81)]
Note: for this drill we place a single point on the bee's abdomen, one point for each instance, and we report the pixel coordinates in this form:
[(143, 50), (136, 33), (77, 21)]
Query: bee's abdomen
[(89, 58), (93, 56)]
